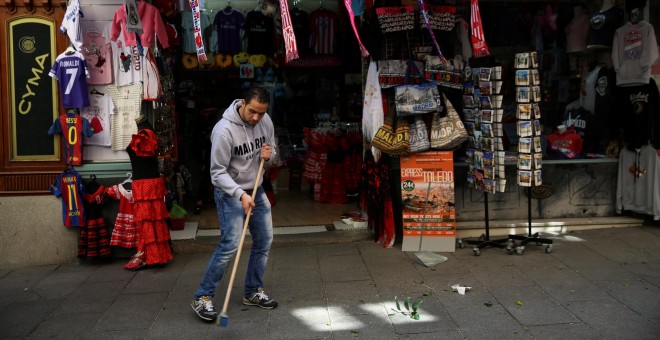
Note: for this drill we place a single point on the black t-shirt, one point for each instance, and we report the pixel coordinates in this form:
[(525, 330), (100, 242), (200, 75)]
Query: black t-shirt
[(300, 23), (602, 26), (638, 108), (604, 101), (260, 33)]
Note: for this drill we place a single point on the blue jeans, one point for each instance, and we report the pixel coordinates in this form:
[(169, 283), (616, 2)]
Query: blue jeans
[(232, 217)]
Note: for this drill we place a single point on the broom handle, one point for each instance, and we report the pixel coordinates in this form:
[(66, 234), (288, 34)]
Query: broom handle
[(240, 244)]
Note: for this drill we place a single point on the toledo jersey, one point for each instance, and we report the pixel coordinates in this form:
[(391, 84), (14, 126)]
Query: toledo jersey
[(70, 71), (73, 127), (69, 186)]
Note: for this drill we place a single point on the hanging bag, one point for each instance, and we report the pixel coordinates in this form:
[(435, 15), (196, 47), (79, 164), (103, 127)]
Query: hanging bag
[(390, 139), (448, 132), (413, 99), (419, 137)]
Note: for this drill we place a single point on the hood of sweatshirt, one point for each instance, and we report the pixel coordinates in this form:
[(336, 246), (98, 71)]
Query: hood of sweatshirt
[(236, 149)]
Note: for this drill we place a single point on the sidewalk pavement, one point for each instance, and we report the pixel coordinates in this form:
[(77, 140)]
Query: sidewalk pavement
[(595, 284)]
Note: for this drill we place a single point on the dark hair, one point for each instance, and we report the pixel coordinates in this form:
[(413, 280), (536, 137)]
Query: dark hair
[(259, 94)]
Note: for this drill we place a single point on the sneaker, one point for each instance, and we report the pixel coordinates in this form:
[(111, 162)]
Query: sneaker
[(260, 299), (204, 308)]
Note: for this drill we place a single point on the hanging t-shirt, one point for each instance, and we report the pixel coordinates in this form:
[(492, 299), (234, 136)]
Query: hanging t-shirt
[(100, 107), (69, 186), (300, 23), (634, 51), (577, 32), (98, 56), (70, 71), (602, 26), (638, 108), (604, 101), (73, 127), (579, 119), (126, 62), (227, 25), (71, 24), (128, 102), (188, 35), (638, 182), (260, 33), (323, 27)]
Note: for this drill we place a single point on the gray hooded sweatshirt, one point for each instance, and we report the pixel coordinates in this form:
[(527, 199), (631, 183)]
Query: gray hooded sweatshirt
[(236, 149)]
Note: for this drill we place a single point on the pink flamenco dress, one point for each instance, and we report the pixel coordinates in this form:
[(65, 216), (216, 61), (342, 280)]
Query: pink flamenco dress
[(150, 211)]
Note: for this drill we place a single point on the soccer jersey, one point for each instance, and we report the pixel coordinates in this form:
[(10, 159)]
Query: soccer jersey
[(188, 35), (98, 56), (69, 186), (70, 71), (127, 101), (260, 32), (227, 26), (323, 26), (100, 107), (126, 62), (73, 127), (71, 23)]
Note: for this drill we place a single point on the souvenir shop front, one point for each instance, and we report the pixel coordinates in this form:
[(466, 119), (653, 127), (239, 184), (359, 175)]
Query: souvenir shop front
[(553, 118), (180, 78), (534, 88)]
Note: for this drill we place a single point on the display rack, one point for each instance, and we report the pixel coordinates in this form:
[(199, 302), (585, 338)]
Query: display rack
[(528, 113), (482, 113)]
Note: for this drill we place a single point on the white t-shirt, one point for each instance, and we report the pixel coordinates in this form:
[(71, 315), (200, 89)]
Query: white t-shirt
[(71, 24), (128, 103), (126, 62), (98, 55), (188, 36), (101, 107)]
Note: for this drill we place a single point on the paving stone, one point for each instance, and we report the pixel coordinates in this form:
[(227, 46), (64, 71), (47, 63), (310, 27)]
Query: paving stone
[(66, 326), (577, 330), (19, 319), (347, 297), (613, 320), (361, 326), (126, 334), (131, 312), (304, 319), (638, 295), (532, 306), (343, 268)]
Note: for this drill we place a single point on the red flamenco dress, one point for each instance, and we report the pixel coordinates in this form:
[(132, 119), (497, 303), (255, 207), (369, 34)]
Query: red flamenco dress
[(149, 205), (94, 238)]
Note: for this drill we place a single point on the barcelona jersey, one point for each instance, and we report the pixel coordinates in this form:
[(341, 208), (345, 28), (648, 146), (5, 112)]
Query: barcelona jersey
[(69, 186), (73, 127)]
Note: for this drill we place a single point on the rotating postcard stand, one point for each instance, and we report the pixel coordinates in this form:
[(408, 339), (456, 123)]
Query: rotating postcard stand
[(484, 240), (482, 112), (528, 96), (539, 192)]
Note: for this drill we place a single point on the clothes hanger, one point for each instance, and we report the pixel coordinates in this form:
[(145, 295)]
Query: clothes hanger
[(95, 91), (70, 50), (228, 9), (129, 179)]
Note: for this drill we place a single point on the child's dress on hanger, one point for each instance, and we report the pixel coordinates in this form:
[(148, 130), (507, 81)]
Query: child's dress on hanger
[(125, 232)]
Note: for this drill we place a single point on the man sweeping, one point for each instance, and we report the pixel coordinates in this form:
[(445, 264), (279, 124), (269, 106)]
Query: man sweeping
[(240, 142)]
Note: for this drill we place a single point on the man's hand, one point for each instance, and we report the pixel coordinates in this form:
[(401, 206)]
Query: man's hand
[(246, 202), (266, 152)]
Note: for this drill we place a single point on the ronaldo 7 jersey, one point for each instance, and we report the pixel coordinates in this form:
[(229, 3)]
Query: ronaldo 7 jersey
[(70, 71)]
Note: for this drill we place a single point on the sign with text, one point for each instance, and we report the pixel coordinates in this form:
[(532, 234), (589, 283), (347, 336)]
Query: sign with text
[(427, 192), (33, 98)]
